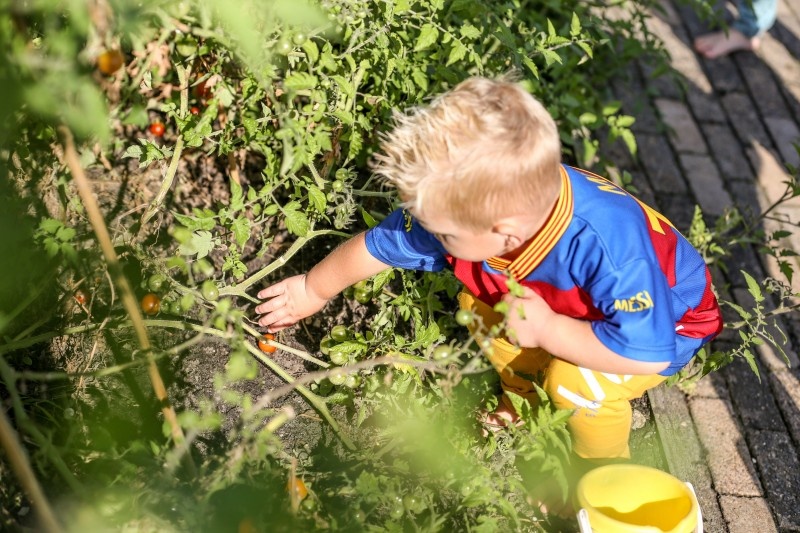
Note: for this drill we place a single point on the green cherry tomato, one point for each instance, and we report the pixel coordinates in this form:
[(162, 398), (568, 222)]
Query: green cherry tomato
[(156, 282), (284, 47), (339, 333), (362, 296), (209, 290), (352, 381), (337, 185), (464, 317), (359, 516), (338, 356), (411, 503), (442, 352), (299, 38), (397, 512), (363, 284), (325, 344), (337, 377)]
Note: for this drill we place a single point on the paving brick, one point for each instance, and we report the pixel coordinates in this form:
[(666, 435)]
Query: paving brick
[(727, 455), (679, 209), (785, 134), (659, 163), (683, 451), (786, 387), (684, 134), (747, 515), (703, 103), (770, 173), (711, 386), (776, 457), (723, 74), (764, 88), (706, 183), (787, 28), (745, 197), (785, 66), (633, 95), (744, 118), (727, 152), (752, 398)]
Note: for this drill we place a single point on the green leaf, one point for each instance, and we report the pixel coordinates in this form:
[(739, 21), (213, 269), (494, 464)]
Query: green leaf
[(298, 81), (201, 244), (296, 222), (575, 25), (241, 230), (753, 287), (316, 198), (469, 31), (237, 196), (457, 53), (428, 35)]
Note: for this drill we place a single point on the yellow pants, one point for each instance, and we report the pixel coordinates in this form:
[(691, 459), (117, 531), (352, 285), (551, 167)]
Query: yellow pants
[(601, 424)]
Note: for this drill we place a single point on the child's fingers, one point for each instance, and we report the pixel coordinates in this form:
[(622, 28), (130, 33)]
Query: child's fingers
[(272, 291), (276, 302)]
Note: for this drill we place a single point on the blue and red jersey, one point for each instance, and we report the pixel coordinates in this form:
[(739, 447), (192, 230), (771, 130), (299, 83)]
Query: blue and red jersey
[(603, 256)]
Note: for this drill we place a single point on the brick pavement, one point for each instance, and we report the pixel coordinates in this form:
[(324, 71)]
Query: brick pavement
[(728, 138)]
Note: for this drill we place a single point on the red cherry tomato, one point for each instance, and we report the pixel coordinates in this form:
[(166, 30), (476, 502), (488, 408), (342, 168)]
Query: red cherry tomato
[(157, 129), (264, 346), (80, 297), (194, 110)]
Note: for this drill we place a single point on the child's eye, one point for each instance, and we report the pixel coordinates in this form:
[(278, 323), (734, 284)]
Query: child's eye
[(441, 237)]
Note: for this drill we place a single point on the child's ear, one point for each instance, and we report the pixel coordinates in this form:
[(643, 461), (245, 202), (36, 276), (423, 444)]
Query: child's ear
[(512, 227)]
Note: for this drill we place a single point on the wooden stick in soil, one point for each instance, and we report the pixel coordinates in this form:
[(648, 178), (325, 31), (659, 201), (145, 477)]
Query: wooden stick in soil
[(126, 293), (22, 468)]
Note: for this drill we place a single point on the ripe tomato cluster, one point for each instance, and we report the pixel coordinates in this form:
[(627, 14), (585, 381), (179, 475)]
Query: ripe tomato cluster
[(264, 345)]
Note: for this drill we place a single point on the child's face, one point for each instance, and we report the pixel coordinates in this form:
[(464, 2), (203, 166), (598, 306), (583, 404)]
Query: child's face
[(464, 243)]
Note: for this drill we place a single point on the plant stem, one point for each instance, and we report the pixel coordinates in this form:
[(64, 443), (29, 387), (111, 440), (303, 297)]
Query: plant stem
[(240, 288), (166, 185), (22, 468), (115, 268)]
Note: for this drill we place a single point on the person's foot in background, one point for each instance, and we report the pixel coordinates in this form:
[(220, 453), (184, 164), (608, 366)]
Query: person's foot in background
[(722, 43)]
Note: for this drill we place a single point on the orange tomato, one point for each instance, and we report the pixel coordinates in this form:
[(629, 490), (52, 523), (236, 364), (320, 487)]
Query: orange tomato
[(264, 346), (110, 61), (297, 488), (151, 304)]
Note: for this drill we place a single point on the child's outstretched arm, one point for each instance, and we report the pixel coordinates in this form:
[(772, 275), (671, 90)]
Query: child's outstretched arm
[(567, 338), (298, 297)]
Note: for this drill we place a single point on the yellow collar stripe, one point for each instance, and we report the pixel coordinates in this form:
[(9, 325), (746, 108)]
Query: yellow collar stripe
[(545, 240)]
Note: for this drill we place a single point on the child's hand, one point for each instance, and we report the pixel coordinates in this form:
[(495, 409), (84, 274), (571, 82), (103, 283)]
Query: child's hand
[(290, 301), (528, 317)]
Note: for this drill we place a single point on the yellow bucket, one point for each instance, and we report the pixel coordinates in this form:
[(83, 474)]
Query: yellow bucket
[(627, 498)]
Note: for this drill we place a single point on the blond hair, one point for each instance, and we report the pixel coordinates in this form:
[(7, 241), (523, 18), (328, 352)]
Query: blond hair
[(484, 150)]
